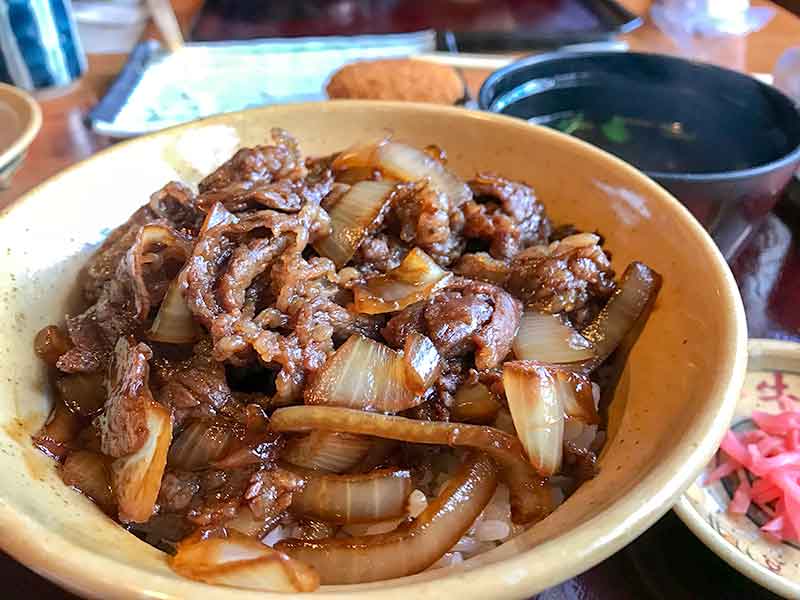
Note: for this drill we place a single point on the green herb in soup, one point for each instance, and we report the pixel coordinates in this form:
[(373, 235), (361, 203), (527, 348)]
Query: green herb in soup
[(650, 145)]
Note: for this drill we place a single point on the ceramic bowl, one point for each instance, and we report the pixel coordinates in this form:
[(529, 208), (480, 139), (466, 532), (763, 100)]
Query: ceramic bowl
[(683, 377), (21, 120)]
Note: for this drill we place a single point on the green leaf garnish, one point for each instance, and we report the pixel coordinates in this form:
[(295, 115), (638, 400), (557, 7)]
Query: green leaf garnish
[(571, 125), (614, 129)]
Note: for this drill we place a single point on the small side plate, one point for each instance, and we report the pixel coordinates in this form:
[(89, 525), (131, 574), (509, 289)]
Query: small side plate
[(21, 120), (773, 375)]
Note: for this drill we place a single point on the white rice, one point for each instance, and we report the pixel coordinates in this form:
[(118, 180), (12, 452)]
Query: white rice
[(450, 559), (492, 530), (579, 434), (416, 503), (359, 529), (466, 544), (275, 536)]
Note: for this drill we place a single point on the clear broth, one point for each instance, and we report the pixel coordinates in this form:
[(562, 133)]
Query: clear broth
[(673, 130)]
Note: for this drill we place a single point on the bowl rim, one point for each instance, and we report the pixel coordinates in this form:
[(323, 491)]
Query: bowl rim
[(783, 586), (485, 100), (619, 523), (32, 123)]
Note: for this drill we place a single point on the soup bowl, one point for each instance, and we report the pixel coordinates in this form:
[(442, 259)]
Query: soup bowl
[(724, 143), (681, 381)]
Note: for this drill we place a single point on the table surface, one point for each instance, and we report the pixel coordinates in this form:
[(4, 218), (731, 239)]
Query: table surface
[(667, 561)]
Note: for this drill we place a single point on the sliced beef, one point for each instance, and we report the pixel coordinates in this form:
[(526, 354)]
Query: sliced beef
[(407, 321), (269, 176), (178, 488), (195, 387), (425, 219), (103, 264), (215, 247), (379, 253), (466, 316), (566, 276), (270, 492), (176, 204), (483, 267), (220, 496), (452, 318), (123, 424), (283, 195), (505, 214), (155, 253), (282, 160)]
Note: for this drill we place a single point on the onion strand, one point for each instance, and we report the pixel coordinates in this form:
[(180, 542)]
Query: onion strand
[(413, 280), (353, 217), (363, 374), (234, 559), (630, 304), (538, 413), (530, 498), (136, 478), (327, 451), (422, 363), (410, 548), (361, 498), (546, 338)]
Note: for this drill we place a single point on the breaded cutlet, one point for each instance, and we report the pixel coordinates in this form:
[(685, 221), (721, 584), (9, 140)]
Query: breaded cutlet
[(397, 79)]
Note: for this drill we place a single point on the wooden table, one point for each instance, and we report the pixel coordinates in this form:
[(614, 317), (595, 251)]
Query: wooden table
[(667, 561)]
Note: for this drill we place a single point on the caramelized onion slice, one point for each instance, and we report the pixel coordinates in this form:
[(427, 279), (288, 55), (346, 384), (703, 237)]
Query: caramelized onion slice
[(136, 478), (361, 498), (410, 548), (474, 403), (629, 305), (201, 443), (88, 472), (174, 323), (360, 155), (538, 413), (353, 217), (575, 391), (83, 393), (413, 280), (62, 427), (410, 164), (247, 523), (422, 363), (235, 560), (363, 374), (407, 164), (151, 239), (530, 499), (50, 343), (217, 216), (546, 338), (327, 451)]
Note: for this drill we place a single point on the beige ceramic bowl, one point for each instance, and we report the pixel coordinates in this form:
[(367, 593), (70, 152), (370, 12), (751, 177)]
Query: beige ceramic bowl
[(683, 379), (20, 120)]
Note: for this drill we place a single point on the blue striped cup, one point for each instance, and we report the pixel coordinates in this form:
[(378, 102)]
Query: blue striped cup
[(39, 44)]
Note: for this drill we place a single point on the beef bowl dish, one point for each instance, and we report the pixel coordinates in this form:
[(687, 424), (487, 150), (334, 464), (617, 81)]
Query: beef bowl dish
[(293, 366)]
